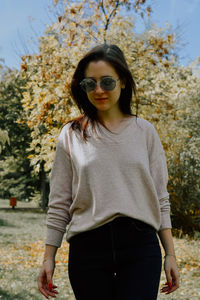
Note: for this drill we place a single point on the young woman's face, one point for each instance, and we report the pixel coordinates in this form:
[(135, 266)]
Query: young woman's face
[(101, 99)]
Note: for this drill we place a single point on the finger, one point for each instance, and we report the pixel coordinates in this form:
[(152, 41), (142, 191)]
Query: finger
[(175, 276), (169, 285), (55, 291), (165, 285), (49, 275), (43, 292), (168, 277), (41, 286), (172, 289), (175, 280), (166, 288), (54, 286), (52, 294), (50, 286), (175, 286), (51, 290)]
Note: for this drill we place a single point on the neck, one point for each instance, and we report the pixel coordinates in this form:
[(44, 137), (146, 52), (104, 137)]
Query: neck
[(114, 119)]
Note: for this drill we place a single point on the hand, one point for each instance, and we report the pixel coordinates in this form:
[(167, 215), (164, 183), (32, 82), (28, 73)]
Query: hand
[(172, 275), (45, 284)]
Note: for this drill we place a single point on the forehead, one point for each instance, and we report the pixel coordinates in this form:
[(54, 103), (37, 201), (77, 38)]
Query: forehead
[(99, 68)]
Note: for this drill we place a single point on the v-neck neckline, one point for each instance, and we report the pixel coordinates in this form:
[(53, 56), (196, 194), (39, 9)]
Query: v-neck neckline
[(119, 129)]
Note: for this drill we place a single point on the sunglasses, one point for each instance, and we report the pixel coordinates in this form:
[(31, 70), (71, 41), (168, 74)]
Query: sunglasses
[(106, 83)]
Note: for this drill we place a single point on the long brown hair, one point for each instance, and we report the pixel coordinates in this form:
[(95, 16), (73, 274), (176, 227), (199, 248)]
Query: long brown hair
[(113, 55)]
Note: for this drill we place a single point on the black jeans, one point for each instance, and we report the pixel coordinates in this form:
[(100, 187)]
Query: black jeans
[(120, 260)]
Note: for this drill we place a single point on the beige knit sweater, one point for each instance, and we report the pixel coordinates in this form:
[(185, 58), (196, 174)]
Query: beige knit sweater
[(112, 175)]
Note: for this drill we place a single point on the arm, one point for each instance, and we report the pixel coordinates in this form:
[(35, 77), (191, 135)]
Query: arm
[(58, 216), (159, 172), (45, 283), (170, 265), (60, 197), (50, 252), (165, 236)]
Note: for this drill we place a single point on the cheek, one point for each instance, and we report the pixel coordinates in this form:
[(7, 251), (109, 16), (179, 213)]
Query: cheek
[(116, 94), (89, 97)]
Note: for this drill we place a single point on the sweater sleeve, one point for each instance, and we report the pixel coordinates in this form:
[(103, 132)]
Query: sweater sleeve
[(159, 173), (60, 197)]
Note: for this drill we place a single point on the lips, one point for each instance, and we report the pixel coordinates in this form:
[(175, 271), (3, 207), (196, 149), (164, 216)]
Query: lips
[(101, 99)]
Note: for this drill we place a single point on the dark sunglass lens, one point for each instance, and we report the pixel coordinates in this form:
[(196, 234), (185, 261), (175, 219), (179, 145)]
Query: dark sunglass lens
[(108, 84), (88, 85)]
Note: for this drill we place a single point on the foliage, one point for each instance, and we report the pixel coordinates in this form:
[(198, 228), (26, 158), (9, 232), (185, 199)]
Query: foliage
[(4, 138), (16, 178), (166, 91), (184, 183), (47, 100), (11, 88)]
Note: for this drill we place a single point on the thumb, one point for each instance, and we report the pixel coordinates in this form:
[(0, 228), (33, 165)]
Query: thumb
[(49, 280), (169, 279), (169, 284), (167, 267)]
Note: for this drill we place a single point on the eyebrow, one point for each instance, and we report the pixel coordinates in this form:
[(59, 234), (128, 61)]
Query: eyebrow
[(90, 77)]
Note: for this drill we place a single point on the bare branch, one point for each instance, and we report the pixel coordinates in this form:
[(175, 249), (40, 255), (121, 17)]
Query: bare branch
[(81, 26), (113, 12)]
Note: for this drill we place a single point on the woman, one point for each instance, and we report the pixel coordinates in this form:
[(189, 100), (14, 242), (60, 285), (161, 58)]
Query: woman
[(109, 183)]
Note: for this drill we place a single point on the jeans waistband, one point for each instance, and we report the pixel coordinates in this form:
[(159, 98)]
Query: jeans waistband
[(119, 222), (138, 224)]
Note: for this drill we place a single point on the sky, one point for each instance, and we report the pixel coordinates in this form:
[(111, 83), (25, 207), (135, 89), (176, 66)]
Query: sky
[(23, 21)]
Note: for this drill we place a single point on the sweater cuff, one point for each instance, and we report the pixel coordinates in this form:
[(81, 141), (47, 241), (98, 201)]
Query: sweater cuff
[(165, 221), (54, 237)]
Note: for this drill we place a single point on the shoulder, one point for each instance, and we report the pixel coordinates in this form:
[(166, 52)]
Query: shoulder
[(151, 135), (63, 137), (65, 130), (145, 125)]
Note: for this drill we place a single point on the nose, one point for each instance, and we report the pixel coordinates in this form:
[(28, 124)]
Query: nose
[(98, 88)]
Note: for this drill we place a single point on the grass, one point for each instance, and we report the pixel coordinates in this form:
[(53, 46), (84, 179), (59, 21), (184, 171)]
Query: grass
[(21, 253), (5, 203)]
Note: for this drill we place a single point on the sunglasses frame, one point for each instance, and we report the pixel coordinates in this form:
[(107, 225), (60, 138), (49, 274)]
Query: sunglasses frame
[(85, 90)]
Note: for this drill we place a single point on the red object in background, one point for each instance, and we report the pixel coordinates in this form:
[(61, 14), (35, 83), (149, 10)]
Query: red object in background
[(13, 202)]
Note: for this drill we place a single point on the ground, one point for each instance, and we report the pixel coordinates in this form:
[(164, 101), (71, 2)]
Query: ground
[(21, 254)]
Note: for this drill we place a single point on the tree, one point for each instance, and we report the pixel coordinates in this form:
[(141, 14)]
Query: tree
[(3, 139), (165, 90), (15, 172), (47, 101), (184, 183)]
